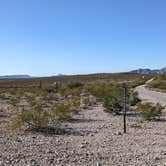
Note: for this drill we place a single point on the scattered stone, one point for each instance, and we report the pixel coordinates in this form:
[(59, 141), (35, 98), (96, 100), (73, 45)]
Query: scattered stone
[(18, 139), (84, 144)]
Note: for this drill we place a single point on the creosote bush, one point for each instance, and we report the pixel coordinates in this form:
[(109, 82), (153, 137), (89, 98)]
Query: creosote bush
[(33, 119), (133, 98), (112, 104), (38, 118), (31, 99), (14, 101), (73, 85), (61, 112), (74, 104), (86, 102), (149, 111)]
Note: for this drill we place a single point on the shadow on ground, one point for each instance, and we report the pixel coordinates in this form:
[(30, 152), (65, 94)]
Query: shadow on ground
[(83, 120), (49, 131)]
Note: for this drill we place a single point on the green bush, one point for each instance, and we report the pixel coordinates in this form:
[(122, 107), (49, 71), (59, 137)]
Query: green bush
[(49, 97), (38, 118), (75, 104), (113, 99), (113, 105), (34, 119), (133, 98), (61, 111), (73, 85), (14, 101), (86, 101), (148, 111), (31, 99)]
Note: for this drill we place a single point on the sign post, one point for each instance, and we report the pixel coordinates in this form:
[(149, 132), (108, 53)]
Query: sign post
[(124, 106)]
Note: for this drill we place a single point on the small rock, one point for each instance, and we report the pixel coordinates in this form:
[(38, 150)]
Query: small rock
[(157, 158), (50, 151), (82, 146), (34, 162), (118, 133), (18, 139), (86, 143), (98, 164)]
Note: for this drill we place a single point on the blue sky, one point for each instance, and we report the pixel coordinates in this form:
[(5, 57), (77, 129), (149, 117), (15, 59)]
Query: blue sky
[(47, 37)]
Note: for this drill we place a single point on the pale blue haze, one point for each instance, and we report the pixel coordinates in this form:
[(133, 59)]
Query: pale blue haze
[(47, 37)]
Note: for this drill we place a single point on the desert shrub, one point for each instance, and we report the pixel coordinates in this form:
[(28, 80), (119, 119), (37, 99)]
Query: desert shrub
[(158, 84), (14, 101), (109, 94), (133, 98), (31, 99), (34, 119), (66, 91), (148, 111), (38, 118), (75, 104), (99, 90), (73, 85), (112, 105), (136, 83), (61, 111), (49, 97), (73, 88), (113, 99), (86, 102)]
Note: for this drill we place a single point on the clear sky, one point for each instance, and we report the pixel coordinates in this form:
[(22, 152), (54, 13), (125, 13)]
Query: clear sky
[(47, 37)]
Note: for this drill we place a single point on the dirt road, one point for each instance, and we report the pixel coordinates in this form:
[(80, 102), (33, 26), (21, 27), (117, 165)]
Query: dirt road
[(151, 96)]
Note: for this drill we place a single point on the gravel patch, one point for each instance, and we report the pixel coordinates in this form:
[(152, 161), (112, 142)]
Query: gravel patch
[(92, 138)]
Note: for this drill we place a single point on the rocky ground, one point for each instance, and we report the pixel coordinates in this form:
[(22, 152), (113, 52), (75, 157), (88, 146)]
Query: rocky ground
[(92, 138)]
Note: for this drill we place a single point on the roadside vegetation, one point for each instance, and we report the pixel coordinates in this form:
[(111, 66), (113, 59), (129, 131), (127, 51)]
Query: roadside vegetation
[(158, 83), (148, 111)]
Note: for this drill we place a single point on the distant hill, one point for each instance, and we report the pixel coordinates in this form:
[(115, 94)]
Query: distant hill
[(15, 77), (149, 71)]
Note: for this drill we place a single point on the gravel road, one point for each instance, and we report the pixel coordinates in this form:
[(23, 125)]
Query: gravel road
[(151, 96)]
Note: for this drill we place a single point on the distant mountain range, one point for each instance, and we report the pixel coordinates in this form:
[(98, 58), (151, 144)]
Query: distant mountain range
[(15, 76), (149, 71), (138, 71)]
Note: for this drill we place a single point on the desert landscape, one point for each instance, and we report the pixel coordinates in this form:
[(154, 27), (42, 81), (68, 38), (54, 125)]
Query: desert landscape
[(90, 136), (82, 83)]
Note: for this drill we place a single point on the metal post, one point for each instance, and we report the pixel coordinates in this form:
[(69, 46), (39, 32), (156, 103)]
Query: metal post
[(40, 84), (124, 106)]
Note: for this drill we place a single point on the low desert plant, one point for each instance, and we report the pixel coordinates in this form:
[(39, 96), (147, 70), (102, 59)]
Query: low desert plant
[(112, 105), (14, 101), (31, 99), (149, 111), (61, 112), (38, 118), (34, 119), (86, 101), (74, 104), (133, 98), (73, 85)]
